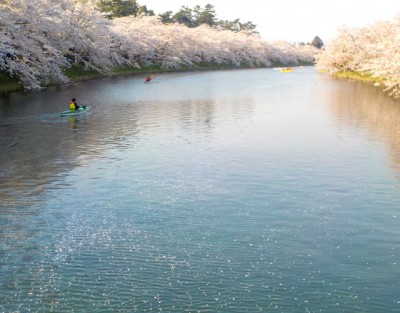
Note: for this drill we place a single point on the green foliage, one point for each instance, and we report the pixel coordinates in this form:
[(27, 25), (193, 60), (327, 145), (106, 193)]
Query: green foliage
[(207, 15), (119, 8), (185, 16), (144, 11), (166, 17), (77, 72), (237, 26), (8, 83), (363, 76), (317, 42)]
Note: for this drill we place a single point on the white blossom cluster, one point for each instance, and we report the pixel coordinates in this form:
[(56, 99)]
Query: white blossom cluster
[(40, 38), (373, 50)]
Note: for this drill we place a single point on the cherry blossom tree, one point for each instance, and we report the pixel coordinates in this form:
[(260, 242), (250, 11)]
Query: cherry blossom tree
[(149, 41), (40, 38), (26, 50), (372, 50)]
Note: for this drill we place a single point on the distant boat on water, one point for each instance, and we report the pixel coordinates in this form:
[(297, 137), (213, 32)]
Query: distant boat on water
[(287, 69)]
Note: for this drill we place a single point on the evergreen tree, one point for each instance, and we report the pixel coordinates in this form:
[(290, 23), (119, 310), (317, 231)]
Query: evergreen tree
[(237, 26), (185, 16), (166, 17), (207, 15), (144, 11), (204, 16), (249, 26), (118, 8), (317, 42)]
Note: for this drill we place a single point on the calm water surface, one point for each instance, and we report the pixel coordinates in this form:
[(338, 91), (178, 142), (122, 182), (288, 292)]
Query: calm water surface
[(229, 191)]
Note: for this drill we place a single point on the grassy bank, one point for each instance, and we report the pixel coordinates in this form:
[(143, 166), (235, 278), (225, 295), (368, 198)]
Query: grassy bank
[(9, 84), (361, 76), (77, 73)]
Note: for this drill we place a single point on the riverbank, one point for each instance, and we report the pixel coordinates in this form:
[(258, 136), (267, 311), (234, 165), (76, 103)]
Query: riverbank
[(361, 76), (367, 78), (9, 84), (77, 73)]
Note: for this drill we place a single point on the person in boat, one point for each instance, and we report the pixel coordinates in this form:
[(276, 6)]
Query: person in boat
[(73, 105), (148, 80)]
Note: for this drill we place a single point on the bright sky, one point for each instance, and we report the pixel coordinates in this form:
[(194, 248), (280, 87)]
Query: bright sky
[(292, 20)]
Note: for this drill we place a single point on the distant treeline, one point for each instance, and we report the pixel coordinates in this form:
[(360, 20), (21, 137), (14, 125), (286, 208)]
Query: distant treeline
[(191, 17), (40, 40)]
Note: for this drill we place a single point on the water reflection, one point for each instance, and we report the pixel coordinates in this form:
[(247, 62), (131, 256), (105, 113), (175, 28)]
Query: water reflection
[(39, 151), (192, 186), (359, 105), (38, 147), (36, 152), (72, 122)]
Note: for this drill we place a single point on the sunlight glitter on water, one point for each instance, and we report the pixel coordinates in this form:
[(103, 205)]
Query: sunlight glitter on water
[(221, 196)]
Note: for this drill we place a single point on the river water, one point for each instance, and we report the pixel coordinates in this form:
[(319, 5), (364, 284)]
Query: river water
[(226, 191)]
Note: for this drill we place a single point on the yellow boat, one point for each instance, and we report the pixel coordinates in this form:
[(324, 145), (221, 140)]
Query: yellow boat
[(287, 69)]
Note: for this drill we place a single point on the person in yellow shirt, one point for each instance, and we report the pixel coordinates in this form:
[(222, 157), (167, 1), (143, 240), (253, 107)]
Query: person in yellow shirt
[(73, 106)]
